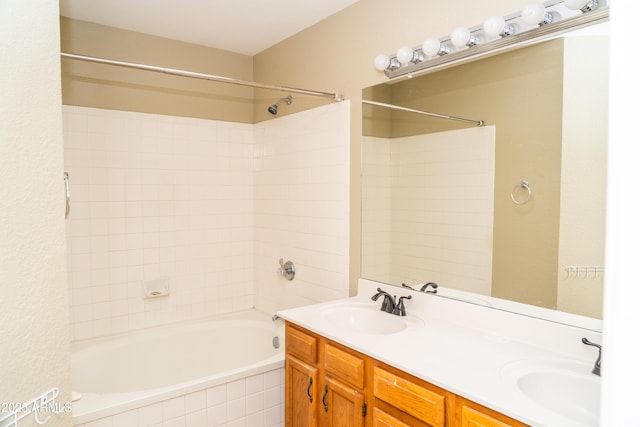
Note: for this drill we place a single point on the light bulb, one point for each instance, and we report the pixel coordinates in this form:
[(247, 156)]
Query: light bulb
[(575, 4), (536, 14), (381, 62), (461, 37), (582, 5), (495, 26), (433, 47), (404, 55)]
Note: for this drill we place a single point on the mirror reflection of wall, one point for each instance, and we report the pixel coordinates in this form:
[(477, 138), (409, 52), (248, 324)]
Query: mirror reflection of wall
[(435, 210)]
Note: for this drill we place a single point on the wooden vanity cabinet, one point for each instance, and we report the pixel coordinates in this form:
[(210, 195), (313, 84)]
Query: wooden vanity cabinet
[(301, 378), (328, 384), (343, 399), (324, 382)]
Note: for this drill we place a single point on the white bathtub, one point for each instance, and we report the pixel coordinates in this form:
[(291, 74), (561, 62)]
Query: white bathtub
[(208, 372)]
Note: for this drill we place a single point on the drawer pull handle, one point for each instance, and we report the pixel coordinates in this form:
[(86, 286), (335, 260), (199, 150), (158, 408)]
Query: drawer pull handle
[(309, 390), (324, 398)]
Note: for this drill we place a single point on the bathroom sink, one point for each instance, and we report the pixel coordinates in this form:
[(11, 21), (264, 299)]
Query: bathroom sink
[(565, 387), (367, 319)]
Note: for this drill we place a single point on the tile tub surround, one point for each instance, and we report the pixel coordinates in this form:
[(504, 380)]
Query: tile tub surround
[(482, 340), (257, 401), (203, 204)]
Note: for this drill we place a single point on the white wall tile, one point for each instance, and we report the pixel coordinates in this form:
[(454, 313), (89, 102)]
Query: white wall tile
[(131, 175), (301, 205), (173, 408), (430, 182), (195, 402)]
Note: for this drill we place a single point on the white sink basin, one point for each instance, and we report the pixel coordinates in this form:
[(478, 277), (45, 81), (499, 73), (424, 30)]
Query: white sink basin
[(368, 319), (565, 387)]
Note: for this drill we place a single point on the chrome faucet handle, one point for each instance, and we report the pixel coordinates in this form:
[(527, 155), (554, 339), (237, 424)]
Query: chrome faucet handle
[(389, 302), (399, 310), (426, 286), (596, 366), (287, 269)]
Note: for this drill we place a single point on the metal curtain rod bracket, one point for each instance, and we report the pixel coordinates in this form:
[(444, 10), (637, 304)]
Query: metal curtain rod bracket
[(426, 113), (194, 75)]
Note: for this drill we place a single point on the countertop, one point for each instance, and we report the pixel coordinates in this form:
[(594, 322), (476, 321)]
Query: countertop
[(463, 348)]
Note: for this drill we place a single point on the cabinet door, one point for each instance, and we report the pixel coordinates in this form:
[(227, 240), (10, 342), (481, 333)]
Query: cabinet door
[(301, 393), (343, 405)]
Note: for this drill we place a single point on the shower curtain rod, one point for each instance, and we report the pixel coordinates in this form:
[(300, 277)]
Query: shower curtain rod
[(426, 113), (194, 75)]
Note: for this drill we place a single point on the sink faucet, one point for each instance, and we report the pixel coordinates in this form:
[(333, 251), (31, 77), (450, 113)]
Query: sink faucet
[(389, 302), (596, 366)]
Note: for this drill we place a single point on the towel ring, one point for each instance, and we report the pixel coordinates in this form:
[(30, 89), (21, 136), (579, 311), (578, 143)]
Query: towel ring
[(524, 184)]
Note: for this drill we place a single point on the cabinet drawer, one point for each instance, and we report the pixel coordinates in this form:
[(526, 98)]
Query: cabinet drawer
[(412, 398), (302, 345), (344, 366)]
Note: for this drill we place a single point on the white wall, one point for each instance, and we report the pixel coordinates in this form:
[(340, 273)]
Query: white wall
[(621, 315), (33, 291), (440, 191), (190, 201), (376, 209), (156, 198), (584, 175), (302, 207)]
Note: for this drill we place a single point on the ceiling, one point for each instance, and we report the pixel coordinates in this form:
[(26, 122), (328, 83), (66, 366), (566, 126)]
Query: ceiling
[(243, 26)]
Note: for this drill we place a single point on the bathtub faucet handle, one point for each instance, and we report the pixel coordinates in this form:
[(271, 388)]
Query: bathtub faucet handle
[(287, 269)]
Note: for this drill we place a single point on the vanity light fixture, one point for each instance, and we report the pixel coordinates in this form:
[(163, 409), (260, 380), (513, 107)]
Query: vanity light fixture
[(406, 55), (496, 26), (432, 47), (383, 62), (535, 21), (536, 14), (461, 37), (582, 5)]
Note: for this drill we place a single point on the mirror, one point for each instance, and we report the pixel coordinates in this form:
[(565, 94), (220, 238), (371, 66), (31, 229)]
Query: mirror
[(509, 214)]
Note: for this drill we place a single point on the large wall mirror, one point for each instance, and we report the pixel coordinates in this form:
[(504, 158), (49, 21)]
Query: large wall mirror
[(509, 212)]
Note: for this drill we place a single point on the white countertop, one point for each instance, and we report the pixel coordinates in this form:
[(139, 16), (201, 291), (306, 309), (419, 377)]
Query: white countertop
[(462, 347)]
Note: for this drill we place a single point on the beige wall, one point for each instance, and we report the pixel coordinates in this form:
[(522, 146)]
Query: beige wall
[(506, 91), (34, 314), (584, 175), (116, 88), (427, 209), (337, 55)]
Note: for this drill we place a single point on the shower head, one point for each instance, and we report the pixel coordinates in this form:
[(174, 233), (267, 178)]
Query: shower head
[(273, 109)]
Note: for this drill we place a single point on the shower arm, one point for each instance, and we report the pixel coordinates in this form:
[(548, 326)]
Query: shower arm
[(194, 75)]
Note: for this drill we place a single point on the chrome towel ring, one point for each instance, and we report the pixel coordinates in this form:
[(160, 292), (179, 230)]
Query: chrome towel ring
[(522, 200)]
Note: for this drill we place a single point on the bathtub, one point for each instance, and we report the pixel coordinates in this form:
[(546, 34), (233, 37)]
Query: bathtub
[(214, 371)]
